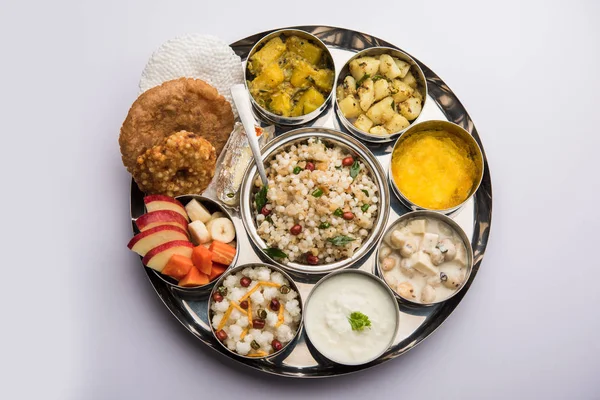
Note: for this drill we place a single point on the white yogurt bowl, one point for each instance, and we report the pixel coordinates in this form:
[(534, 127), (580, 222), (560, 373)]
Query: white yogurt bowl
[(333, 325)]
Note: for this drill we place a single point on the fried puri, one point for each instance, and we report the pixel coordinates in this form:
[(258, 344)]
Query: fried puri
[(183, 104), (181, 163)]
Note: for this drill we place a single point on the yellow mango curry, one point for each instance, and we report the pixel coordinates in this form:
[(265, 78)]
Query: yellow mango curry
[(291, 78), (434, 169)]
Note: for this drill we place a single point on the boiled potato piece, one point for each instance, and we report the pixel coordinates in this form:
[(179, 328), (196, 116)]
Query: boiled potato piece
[(388, 66), (308, 102), (396, 123), (378, 130), (269, 78), (403, 66), (401, 91), (339, 92), (410, 108), (281, 103), (410, 80), (382, 111), (271, 51), (304, 49), (362, 66), (349, 107), (417, 93), (366, 94), (349, 85), (382, 89), (363, 123)]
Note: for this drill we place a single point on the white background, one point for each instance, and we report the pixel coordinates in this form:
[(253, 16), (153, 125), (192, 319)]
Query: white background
[(81, 321)]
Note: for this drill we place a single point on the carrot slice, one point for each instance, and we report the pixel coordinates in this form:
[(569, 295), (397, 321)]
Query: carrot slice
[(178, 266), (194, 278), (202, 259), (222, 253)]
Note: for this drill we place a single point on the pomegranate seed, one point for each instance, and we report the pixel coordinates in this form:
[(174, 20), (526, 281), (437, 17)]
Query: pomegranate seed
[(221, 335), (310, 166), (312, 260), (244, 304), (265, 211), (217, 297), (274, 305), (258, 323)]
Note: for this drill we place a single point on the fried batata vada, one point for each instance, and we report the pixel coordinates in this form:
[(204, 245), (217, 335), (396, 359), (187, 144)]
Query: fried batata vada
[(181, 163), (183, 104)]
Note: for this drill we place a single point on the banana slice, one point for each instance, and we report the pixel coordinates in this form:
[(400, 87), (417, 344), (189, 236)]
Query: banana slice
[(197, 212), (218, 214), (222, 229), (199, 232)]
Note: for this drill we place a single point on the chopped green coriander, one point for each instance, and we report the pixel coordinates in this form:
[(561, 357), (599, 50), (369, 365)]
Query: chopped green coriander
[(359, 321), (324, 225)]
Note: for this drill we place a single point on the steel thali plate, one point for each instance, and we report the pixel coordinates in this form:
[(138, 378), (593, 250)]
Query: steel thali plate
[(416, 324)]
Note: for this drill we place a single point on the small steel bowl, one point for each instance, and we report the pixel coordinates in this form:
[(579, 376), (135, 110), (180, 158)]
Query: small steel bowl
[(212, 206), (439, 217), (376, 279), (278, 119), (377, 51), (248, 189), (235, 270), (452, 128)]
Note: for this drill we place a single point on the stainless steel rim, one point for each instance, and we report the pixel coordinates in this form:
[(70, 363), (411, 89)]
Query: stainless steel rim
[(439, 217), (298, 135), (278, 119), (435, 125), (379, 281), (235, 270), (345, 71)]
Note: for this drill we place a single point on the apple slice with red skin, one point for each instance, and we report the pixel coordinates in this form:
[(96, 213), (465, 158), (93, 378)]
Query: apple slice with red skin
[(159, 256), (145, 241), (157, 202), (161, 217)]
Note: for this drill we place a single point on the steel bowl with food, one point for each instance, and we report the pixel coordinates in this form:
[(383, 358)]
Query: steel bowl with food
[(289, 76), (187, 241), (425, 257), (255, 311), (351, 317), (435, 165), (325, 205), (380, 92)]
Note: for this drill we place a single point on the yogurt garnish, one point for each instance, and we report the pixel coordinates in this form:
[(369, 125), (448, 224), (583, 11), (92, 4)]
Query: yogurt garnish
[(350, 318)]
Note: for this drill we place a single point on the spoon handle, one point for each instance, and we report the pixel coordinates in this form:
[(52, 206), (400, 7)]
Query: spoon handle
[(242, 103)]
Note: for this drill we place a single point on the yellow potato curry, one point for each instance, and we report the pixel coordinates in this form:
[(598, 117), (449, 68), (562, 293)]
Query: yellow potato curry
[(434, 169), (291, 78)]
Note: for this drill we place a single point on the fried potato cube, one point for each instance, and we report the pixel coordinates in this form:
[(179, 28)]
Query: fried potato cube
[(410, 108), (308, 102), (349, 107), (270, 52), (396, 123), (401, 91), (388, 66), (271, 76), (304, 49), (382, 111), (382, 89), (410, 80), (378, 130), (364, 65), (281, 103), (349, 85), (300, 74), (366, 94), (403, 66), (323, 78), (363, 123)]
